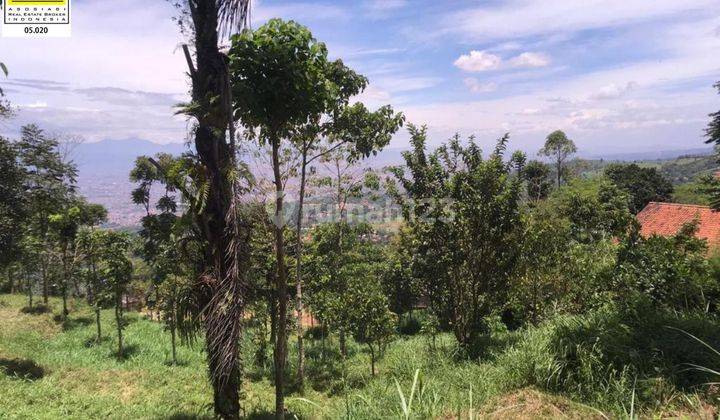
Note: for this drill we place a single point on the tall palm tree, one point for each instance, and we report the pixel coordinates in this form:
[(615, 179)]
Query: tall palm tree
[(224, 233)]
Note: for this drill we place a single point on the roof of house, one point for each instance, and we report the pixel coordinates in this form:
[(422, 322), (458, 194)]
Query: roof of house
[(666, 219)]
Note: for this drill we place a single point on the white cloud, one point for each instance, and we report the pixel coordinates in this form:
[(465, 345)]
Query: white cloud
[(507, 46), (385, 5), (530, 111), (478, 61), (613, 91), (299, 11), (477, 86), (530, 59), (36, 104), (400, 83), (523, 18)]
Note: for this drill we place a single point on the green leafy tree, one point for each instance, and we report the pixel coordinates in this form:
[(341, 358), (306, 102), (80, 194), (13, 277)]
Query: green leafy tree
[(27, 261), (283, 85), (713, 129), (89, 244), (670, 272), (643, 184), (50, 185), (278, 80), (173, 291), (5, 110), (465, 213), (597, 210), (370, 319), (12, 205), (541, 282), (63, 230), (116, 269), (157, 228), (711, 185), (559, 148), (336, 251), (397, 276), (352, 128), (537, 177)]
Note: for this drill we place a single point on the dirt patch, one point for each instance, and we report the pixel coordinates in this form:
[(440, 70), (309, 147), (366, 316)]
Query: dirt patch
[(13, 322), (122, 384), (530, 404)]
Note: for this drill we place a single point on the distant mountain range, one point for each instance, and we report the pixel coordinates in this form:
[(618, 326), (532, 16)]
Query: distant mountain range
[(655, 155), (117, 156), (104, 167)]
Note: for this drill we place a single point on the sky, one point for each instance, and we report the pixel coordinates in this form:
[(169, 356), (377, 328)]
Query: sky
[(616, 75)]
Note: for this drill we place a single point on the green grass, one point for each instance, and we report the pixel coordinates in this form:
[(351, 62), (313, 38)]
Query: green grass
[(601, 364)]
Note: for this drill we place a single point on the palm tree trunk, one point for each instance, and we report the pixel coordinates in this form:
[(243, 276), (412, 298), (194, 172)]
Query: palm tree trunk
[(225, 260)]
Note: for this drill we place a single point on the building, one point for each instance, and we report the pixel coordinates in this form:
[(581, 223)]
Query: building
[(666, 219)]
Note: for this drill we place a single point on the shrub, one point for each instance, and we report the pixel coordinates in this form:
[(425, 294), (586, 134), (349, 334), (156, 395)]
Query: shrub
[(409, 326)]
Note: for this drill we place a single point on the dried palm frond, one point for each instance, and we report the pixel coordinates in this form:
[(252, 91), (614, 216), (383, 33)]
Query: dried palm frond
[(234, 16)]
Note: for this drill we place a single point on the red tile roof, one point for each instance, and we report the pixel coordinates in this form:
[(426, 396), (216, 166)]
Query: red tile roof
[(666, 219)]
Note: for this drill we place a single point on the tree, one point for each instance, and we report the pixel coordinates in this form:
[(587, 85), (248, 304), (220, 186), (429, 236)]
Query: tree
[(537, 177), (5, 110), (558, 147), (12, 203), (541, 281), (464, 211), (49, 186), (157, 228), (27, 260), (172, 291), (341, 258), (397, 277), (711, 185), (116, 269), (670, 272), (713, 129), (596, 210), (371, 321), (643, 184), (283, 84), (89, 243), (63, 229), (217, 218), (352, 129)]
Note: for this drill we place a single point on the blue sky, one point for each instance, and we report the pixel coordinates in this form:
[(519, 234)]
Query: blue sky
[(616, 75)]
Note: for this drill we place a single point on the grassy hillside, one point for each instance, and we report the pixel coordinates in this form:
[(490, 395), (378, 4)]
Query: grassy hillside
[(569, 368)]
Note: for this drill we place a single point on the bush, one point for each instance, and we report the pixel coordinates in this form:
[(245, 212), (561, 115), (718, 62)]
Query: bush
[(672, 272), (409, 326), (604, 357)]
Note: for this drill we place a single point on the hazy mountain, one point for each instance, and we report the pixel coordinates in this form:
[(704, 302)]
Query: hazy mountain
[(654, 154), (117, 156)]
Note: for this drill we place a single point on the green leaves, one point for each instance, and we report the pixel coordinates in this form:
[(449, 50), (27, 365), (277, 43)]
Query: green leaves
[(464, 213), (406, 404), (643, 184)]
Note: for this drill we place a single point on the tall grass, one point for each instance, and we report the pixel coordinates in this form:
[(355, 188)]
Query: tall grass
[(613, 362)]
